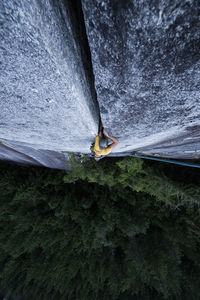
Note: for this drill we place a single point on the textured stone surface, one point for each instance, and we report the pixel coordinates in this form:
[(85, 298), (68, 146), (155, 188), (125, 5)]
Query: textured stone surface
[(45, 96), (26, 155), (146, 61)]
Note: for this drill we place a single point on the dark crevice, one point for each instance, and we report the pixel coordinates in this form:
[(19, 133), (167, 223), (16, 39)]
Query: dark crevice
[(80, 36)]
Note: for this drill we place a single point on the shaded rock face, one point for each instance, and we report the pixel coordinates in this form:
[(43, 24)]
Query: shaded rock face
[(25, 155), (146, 63), (46, 95)]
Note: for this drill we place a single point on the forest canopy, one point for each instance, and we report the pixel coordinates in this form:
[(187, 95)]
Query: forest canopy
[(115, 229)]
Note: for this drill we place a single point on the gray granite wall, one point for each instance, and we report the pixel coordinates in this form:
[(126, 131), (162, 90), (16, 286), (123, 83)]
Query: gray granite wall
[(146, 62), (46, 99), (139, 59)]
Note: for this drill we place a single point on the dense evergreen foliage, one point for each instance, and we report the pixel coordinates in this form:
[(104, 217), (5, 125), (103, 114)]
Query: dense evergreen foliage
[(117, 229)]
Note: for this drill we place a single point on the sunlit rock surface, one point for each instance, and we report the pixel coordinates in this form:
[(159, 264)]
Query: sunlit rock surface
[(146, 63), (46, 99)]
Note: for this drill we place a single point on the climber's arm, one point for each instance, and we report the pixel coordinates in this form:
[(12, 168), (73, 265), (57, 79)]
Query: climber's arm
[(112, 138)]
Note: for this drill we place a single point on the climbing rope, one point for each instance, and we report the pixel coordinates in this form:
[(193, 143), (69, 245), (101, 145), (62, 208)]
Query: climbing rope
[(167, 161)]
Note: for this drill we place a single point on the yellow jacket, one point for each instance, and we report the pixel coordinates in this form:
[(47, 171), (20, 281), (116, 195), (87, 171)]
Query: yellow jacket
[(98, 151)]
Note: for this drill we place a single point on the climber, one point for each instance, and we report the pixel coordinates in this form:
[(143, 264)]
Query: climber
[(101, 148)]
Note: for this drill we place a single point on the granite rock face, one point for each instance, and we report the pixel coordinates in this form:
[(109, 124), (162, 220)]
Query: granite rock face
[(141, 58), (46, 99), (21, 154), (146, 63)]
